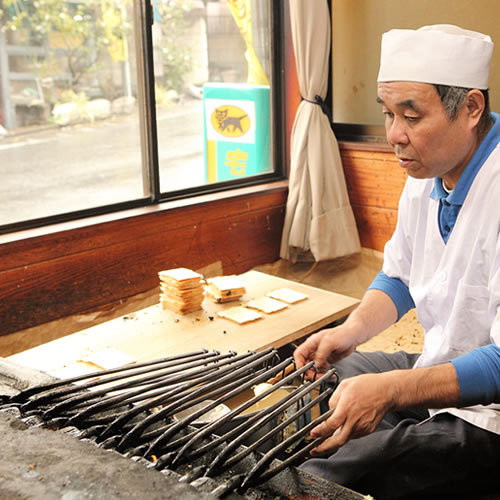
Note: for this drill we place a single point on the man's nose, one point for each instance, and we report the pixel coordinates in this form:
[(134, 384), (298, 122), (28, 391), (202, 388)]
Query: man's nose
[(396, 131)]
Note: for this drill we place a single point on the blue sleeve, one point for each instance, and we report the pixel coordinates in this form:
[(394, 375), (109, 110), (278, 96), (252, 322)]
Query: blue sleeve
[(396, 290), (478, 375)]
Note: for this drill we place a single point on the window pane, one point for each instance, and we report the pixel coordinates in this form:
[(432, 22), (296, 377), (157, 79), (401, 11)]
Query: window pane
[(70, 136), (212, 80)]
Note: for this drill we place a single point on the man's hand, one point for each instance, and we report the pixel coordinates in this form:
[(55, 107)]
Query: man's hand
[(375, 313), (360, 404), (324, 348)]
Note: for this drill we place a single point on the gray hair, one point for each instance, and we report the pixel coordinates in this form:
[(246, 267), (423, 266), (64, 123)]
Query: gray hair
[(452, 99)]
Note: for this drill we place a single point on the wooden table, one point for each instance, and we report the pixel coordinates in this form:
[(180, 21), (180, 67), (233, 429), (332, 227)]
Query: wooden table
[(153, 332)]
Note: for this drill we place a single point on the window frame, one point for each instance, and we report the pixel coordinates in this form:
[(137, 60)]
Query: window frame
[(143, 20)]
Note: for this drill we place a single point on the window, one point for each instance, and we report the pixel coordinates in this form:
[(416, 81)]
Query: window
[(358, 26), (110, 104)]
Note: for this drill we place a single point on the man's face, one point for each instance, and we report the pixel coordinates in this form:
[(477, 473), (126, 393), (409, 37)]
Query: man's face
[(427, 143)]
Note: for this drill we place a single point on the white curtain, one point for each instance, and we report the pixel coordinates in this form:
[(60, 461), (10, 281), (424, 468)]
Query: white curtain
[(319, 222)]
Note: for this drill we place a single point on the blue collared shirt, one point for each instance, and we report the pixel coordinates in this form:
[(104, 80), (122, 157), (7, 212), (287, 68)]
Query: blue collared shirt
[(451, 202)]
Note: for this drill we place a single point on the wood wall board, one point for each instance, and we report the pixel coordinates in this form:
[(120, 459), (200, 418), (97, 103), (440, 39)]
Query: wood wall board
[(30, 250), (373, 180), (375, 225), (56, 287), (154, 333)]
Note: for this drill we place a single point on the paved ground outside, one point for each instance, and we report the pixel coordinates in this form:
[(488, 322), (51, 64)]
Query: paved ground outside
[(55, 170)]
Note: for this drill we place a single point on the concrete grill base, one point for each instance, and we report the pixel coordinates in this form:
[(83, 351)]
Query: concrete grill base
[(36, 462), (39, 463)]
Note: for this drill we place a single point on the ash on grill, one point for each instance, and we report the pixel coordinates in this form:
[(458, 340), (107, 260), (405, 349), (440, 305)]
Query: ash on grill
[(153, 412)]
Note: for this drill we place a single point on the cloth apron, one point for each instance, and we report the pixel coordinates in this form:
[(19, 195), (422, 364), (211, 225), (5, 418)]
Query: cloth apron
[(455, 287)]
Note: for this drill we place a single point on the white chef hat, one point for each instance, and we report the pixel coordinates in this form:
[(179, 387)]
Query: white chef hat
[(441, 54)]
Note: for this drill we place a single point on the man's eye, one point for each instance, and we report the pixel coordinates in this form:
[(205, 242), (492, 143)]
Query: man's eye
[(411, 119), (388, 114)]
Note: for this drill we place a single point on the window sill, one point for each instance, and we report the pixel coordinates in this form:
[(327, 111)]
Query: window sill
[(267, 188)]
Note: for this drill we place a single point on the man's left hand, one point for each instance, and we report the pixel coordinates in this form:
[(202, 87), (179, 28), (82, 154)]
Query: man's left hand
[(360, 404)]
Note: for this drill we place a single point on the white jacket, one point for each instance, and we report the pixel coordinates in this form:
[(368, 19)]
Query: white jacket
[(456, 287)]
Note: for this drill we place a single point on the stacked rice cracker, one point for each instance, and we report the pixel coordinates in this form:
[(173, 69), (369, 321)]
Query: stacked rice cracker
[(225, 288), (181, 290)]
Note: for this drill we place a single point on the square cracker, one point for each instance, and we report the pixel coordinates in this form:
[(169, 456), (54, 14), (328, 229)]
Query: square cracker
[(224, 283), (180, 274), (240, 314), (266, 304), (287, 295)]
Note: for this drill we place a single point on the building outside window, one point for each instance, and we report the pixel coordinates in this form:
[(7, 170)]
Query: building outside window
[(108, 104)]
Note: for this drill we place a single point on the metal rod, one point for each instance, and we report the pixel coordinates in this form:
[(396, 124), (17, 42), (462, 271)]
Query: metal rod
[(180, 425), (271, 454), (162, 379), (171, 369), (292, 460), (282, 403), (218, 461), (27, 393), (231, 485), (229, 396), (255, 445), (164, 412)]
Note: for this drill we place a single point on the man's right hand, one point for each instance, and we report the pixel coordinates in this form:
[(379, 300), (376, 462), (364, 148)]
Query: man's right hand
[(375, 313), (324, 348)]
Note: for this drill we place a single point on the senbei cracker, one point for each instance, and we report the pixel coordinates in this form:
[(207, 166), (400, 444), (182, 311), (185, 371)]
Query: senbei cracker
[(240, 314), (287, 295), (266, 304), (181, 290), (180, 274), (225, 288)]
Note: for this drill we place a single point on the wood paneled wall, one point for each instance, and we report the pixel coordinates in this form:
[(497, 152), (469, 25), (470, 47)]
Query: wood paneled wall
[(75, 270), (374, 182)]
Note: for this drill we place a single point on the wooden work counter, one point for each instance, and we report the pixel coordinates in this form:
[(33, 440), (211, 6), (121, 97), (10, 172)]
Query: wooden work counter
[(154, 333)]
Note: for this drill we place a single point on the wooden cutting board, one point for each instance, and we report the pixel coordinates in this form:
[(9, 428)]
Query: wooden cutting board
[(153, 332)]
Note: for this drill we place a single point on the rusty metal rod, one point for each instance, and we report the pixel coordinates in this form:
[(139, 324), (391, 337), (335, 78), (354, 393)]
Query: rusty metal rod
[(157, 432), (27, 393), (242, 366), (239, 430), (164, 397), (255, 445), (124, 385), (252, 477), (273, 412), (224, 398), (159, 380)]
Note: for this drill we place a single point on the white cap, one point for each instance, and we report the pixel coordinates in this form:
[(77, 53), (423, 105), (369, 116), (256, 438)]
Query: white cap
[(441, 54)]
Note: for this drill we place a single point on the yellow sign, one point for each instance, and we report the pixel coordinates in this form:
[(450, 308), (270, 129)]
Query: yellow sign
[(230, 121), (237, 161), (240, 9)]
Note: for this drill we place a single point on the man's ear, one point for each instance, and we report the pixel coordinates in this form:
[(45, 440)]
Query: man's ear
[(474, 103)]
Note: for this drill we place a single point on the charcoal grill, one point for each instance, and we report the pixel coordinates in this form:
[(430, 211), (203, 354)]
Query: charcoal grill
[(153, 413)]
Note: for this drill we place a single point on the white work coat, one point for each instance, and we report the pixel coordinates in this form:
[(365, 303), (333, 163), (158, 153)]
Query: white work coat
[(455, 286)]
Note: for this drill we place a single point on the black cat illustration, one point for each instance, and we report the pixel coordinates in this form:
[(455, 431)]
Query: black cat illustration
[(224, 121)]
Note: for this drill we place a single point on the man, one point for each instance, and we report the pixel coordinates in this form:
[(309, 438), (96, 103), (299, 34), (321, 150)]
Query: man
[(422, 426)]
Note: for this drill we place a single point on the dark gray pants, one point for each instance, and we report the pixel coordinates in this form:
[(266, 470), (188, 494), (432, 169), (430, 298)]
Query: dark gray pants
[(411, 455)]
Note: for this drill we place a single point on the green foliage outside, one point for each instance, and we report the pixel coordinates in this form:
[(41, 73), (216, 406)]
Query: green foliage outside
[(76, 32), (79, 34), (176, 55)]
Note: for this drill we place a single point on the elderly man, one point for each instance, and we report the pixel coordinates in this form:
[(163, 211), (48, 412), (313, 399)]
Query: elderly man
[(429, 425)]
